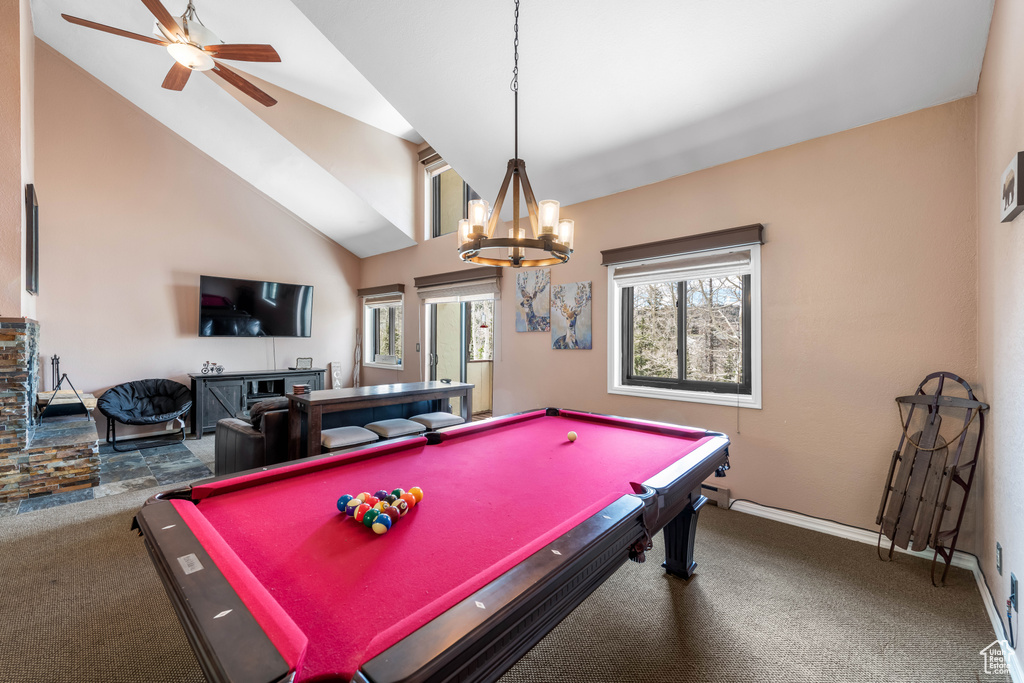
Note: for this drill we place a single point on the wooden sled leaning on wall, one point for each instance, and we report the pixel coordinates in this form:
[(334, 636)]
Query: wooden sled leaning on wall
[(916, 497)]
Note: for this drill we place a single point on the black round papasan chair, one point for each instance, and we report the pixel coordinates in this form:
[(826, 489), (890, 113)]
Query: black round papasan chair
[(145, 402)]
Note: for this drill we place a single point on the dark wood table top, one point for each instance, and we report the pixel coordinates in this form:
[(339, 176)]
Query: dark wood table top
[(353, 394)]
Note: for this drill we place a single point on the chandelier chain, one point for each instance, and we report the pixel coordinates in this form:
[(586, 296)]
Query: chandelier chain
[(514, 85)]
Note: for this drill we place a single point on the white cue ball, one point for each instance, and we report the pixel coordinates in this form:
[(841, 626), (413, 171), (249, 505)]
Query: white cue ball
[(571, 436)]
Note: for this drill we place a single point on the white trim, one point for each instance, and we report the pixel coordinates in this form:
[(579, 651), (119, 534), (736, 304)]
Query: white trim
[(384, 366), (960, 559), (614, 326)]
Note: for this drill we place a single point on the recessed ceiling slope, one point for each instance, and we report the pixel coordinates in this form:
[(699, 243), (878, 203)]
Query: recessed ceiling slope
[(209, 117), (615, 95)]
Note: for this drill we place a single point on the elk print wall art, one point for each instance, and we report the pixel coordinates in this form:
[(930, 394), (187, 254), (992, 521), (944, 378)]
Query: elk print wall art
[(533, 308), (1011, 204), (571, 326)]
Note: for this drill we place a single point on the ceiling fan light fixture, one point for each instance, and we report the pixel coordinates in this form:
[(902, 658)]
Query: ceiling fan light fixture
[(191, 56)]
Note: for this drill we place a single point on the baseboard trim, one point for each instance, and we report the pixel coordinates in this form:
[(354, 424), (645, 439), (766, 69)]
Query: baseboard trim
[(960, 559)]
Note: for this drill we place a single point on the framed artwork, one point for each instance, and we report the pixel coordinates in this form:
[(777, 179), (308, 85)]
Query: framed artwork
[(1011, 204), (31, 240), (533, 304), (571, 324), (303, 363)]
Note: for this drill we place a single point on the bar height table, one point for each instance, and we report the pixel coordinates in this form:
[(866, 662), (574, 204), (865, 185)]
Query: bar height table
[(314, 404)]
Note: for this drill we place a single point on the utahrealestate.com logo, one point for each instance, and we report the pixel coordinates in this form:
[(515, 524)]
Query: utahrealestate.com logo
[(995, 660)]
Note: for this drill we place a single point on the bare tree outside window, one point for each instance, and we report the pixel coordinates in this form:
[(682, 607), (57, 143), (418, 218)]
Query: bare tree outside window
[(654, 330), (481, 320), (714, 329)]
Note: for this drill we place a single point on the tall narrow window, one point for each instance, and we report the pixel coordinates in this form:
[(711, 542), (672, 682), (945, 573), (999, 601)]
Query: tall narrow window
[(449, 195)]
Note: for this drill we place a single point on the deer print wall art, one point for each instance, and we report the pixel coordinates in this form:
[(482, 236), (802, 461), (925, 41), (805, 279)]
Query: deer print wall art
[(533, 307), (571, 326)]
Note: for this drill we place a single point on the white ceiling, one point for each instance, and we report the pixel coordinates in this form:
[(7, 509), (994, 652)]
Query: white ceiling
[(614, 95), (210, 118)]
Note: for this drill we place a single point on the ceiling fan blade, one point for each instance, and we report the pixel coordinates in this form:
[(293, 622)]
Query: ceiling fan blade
[(111, 29), (164, 17), (243, 85), (244, 52), (177, 77)]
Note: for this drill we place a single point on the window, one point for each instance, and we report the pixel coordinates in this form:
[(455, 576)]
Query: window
[(383, 325), (449, 194), (688, 327)]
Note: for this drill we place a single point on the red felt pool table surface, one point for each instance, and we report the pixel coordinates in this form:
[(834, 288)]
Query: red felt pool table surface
[(493, 495)]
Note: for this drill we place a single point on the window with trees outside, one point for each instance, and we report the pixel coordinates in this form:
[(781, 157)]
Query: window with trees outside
[(688, 327), (383, 339)]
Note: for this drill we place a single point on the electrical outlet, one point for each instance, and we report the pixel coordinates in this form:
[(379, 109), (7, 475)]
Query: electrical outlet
[(999, 558), (418, 350), (1013, 591)]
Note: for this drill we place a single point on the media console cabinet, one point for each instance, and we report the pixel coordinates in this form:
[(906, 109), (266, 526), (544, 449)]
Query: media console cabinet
[(215, 397)]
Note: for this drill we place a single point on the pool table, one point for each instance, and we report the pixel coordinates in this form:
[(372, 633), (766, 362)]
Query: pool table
[(516, 527)]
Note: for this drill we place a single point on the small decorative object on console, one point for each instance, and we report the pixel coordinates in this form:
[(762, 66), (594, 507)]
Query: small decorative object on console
[(300, 389), (302, 364), (210, 368)]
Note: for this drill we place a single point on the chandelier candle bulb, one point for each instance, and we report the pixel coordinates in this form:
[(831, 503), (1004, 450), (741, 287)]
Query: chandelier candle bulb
[(548, 209), (478, 210), (464, 231), (566, 227)]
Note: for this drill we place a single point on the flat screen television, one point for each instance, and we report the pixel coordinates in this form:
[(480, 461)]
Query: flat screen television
[(252, 308)]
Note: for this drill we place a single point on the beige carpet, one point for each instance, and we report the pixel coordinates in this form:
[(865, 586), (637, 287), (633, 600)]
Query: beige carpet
[(80, 601)]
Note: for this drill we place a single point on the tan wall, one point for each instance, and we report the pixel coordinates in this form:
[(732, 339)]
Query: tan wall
[(16, 152), (133, 215), (868, 285), (1000, 284)]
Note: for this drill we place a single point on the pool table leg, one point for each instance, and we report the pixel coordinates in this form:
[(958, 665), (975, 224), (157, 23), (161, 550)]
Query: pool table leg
[(679, 536)]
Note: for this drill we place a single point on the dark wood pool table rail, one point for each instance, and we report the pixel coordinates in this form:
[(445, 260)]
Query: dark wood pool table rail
[(232, 647), (467, 642)]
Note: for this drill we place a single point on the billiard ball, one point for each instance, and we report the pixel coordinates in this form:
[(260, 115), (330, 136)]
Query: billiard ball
[(402, 506), (372, 500), (417, 493), (361, 511), (370, 516), (363, 496), (392, 512), (350, 508), (381, 524), (410, 499), (381, 506), (571, 436), (398, 492), (343, 502), (381, 495), (391, 499)]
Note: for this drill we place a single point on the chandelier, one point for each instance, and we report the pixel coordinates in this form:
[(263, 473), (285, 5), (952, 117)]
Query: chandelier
[(550, 235)]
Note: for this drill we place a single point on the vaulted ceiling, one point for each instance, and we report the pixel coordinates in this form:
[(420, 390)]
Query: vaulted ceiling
[(613, 95)]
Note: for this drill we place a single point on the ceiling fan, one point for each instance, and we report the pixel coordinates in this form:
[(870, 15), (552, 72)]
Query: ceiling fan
[(194, 47)]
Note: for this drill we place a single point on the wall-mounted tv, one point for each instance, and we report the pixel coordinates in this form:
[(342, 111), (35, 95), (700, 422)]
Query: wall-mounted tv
[(252, 308)]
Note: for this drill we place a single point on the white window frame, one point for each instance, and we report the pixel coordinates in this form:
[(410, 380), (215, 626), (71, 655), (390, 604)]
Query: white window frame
[(615, 332), (369, 334), (434, 169)]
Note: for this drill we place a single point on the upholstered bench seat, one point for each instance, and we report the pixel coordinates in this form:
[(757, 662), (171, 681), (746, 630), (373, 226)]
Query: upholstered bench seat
[(434, 421), (345, 437), (390, 429)]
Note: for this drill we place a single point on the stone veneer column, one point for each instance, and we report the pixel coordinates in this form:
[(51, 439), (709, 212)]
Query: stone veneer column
[(19, 339), (35, 461)]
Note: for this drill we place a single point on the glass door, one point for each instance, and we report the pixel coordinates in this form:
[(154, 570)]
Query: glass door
[(447, 346), (462, 348)]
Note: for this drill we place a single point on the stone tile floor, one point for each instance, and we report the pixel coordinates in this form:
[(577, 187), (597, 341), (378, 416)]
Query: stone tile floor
[(122, 472)]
